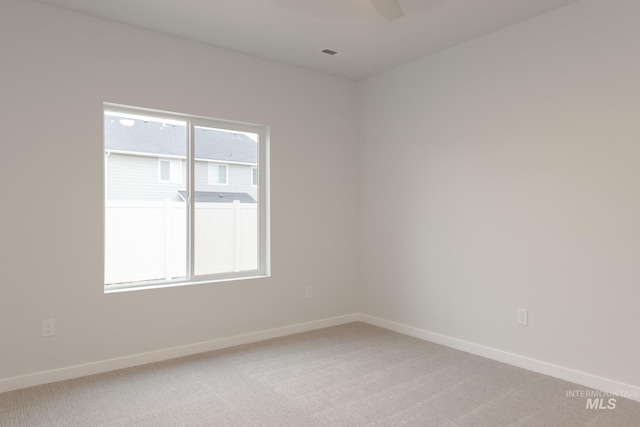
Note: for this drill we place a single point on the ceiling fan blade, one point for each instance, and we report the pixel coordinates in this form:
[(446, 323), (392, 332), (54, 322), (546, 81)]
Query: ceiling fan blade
[(390, 9)]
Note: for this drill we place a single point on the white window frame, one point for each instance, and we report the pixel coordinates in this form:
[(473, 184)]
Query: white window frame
[(175, 171), (264, 256), (254, 177), (211, 176)]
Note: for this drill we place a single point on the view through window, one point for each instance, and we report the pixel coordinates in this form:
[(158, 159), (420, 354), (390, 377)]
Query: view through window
[(185, 198)]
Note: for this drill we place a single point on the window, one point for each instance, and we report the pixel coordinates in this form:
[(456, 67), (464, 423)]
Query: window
[(254, 177), (217, 174), (170, 171), (167, 235)]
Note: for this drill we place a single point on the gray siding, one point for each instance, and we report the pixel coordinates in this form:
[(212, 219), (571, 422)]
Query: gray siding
[(131, 177)]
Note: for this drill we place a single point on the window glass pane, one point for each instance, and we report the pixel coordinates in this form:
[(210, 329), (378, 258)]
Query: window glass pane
[(222, 174), (225, 218), (145, 219), (165, 170)]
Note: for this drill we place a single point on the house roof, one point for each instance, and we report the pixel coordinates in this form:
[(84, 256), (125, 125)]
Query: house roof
[(218, 197), (165, 139)]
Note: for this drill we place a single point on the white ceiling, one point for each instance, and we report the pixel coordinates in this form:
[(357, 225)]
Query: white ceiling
[(295, 31)]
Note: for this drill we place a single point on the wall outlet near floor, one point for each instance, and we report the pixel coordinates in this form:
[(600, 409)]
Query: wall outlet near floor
[(308, 293), (523, 316), (48, 327)]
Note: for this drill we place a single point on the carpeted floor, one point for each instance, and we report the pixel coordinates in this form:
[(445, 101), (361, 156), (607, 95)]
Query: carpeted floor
[(349, 375)]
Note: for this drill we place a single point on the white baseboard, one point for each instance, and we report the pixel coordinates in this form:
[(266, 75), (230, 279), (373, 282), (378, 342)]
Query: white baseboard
[(77, 371), (563, 373), (567, 374)]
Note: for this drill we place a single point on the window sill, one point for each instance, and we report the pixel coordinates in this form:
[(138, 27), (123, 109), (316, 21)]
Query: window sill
[(114, 289)]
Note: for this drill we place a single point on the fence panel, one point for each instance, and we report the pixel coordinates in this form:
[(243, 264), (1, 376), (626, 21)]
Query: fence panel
[(146, 241)]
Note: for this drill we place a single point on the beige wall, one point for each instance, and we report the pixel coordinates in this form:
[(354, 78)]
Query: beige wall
[(57, 70), (504, 173)]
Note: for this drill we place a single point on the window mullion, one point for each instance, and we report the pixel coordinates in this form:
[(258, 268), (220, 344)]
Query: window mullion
[(191, 199)]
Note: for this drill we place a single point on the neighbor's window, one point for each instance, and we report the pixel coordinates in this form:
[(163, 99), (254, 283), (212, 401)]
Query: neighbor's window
[(217, 174), (187, 232), (171, 170)]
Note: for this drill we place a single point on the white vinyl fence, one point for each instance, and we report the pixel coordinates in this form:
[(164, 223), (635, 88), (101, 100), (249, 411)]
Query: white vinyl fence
[(147, 240)]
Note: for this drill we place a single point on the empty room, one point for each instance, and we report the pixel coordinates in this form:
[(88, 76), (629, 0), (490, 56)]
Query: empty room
[(320, 213)]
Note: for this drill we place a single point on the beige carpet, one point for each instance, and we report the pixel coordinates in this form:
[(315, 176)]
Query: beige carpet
[(350, 375)]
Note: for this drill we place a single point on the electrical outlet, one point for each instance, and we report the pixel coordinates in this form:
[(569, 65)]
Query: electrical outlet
[(308, 292), (523, 317), (48, 327)]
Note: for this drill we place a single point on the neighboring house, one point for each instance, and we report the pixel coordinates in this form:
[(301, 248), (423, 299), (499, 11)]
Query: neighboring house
[(145, 161)]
